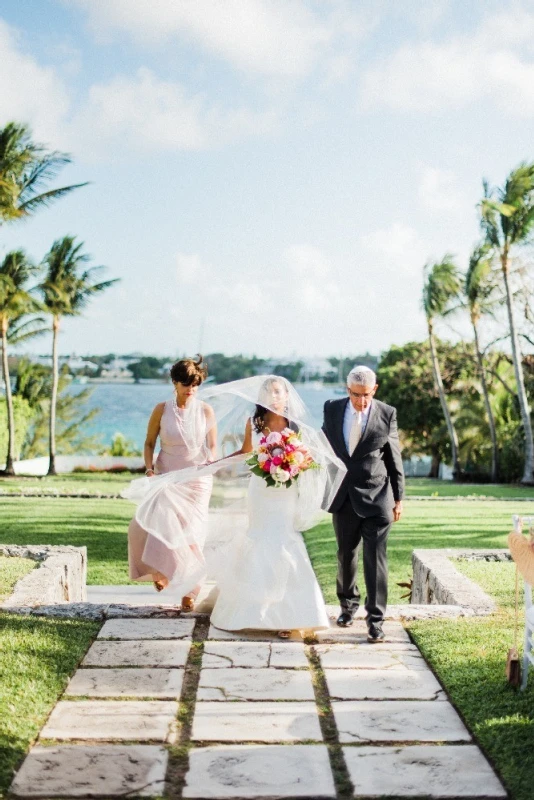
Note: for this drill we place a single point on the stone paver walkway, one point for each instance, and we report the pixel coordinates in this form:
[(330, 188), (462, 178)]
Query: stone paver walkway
[(267, 719)]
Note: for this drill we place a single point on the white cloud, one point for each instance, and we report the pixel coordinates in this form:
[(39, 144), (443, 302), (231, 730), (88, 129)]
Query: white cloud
[(399, 248), (30, 91), (260, 37), (439, 190), (144, 112), (264, 36), (495, 62), (140, 112)]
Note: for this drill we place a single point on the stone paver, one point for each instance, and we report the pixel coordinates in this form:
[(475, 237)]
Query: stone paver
[(422, 770), (358, 633), (347, 656), (256, 722), (164, 684), (256, 771), (254, 654), (135, 720), (155, 653), (138, 629), (382, 684), (237, 683), (253, 687), (249, 635), (101, 770), (398, 721)]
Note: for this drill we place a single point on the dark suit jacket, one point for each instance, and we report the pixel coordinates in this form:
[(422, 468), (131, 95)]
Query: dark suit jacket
[(375, 477)]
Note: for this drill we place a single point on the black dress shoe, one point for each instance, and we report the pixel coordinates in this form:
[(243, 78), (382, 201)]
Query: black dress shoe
[(345, 620), (375, 633)]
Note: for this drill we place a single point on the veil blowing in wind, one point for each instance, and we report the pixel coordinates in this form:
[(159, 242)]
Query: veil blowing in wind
[(163, 502)]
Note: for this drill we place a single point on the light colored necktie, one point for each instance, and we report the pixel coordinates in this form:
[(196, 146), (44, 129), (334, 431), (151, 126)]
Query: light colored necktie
[(355, 431)]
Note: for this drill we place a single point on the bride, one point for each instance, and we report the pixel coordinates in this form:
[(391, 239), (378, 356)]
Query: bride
[(268, 581), (264, 577)]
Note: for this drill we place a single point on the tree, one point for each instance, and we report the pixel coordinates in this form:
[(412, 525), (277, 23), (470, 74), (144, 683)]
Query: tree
[(33, 387), (507, 219), (66, 290), (147, 368), (479, 288), (15, 302), (25, 170), (441, 289), (406, 381)]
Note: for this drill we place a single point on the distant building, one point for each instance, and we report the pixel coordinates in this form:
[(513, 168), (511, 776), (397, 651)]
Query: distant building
[(75, 364)]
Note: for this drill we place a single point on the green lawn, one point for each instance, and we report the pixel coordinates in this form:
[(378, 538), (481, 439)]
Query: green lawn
[(428, 487), (111, 483), (11, 570), (424, 524), (101, 525), (37, 658), (469, 656), (86, 482)]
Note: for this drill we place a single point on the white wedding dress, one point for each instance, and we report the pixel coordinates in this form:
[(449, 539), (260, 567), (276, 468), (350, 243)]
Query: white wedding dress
[(268, 582)]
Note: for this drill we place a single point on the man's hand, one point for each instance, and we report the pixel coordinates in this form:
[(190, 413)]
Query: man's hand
[(397, 511)]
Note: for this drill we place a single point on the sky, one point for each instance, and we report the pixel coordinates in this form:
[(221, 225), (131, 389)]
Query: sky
[(266, 177)]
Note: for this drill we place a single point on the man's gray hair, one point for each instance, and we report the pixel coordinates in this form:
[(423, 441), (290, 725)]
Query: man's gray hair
[(361, 376)]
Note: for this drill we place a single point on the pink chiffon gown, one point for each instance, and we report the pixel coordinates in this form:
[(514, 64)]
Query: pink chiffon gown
[(182, 511)]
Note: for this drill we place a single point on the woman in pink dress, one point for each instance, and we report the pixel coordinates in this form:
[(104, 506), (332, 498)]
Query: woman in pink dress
[(171, 551)]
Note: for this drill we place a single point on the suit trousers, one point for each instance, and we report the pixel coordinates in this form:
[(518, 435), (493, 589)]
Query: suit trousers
[(354, 533)]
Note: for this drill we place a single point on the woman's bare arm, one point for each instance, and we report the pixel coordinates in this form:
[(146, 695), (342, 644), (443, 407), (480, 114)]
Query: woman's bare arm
[(211, 437), (152, 433)]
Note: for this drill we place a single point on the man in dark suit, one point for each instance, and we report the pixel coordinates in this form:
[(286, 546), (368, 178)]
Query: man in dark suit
[(363, 433)]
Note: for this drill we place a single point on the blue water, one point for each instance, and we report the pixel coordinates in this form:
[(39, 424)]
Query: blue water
[(127, 407)]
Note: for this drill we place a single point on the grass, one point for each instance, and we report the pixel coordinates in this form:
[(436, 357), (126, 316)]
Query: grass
[(111, 483), (469, 656), (12, 570), (475, 524), (101, 525), (428, 487), (97, 482), (37, 658)]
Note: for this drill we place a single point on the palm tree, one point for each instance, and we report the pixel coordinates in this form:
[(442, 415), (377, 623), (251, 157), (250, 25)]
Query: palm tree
[(15, 302), (507, 219), (66, 290), (479, 288), (441, 288), (25, 170)]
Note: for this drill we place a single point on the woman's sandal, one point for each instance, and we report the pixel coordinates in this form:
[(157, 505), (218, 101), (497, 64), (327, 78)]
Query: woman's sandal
[(159, 586), (188, 603), (284, 634)]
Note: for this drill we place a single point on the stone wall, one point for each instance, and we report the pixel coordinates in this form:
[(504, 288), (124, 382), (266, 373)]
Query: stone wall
[(60, 577), (436, 581)]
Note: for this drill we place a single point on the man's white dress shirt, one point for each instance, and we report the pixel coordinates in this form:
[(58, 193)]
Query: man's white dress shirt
[(348, 419)]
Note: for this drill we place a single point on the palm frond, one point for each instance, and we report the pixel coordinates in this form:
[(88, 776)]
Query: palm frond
[(46, 198), (441, 288)]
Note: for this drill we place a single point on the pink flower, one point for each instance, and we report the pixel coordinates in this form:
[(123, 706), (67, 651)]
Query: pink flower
[(266, 465), (277, 461), (274, 438), (277, 451)]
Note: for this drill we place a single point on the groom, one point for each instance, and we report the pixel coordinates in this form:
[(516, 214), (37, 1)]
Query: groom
[(363, 434)]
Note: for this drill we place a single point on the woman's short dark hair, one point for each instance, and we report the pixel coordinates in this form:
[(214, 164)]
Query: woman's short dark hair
[(189, 372)]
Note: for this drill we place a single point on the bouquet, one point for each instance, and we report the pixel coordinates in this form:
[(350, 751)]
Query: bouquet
[(280, 458)]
